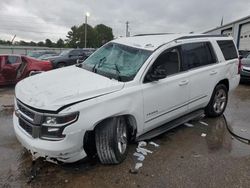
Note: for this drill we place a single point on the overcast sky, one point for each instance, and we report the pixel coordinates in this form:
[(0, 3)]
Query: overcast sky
[(40, 19)]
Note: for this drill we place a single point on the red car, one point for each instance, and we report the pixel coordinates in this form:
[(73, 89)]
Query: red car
[(14, 68)]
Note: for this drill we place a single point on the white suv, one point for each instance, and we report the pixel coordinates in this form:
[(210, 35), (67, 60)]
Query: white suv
[(130, 89)]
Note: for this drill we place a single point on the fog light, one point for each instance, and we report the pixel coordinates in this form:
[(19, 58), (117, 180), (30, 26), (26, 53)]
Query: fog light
[(52, 129)]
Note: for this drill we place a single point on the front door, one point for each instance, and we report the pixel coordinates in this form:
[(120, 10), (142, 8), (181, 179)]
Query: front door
[(166, 99)]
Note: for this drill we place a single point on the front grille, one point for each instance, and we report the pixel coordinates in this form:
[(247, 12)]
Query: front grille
[(25, 126), (26, 111)]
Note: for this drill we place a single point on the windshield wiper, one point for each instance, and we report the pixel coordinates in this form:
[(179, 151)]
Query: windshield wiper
[(118, 73), (98, 64)]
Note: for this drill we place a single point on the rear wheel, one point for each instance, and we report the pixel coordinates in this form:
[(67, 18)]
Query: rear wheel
[(218, 101), (111, 138)]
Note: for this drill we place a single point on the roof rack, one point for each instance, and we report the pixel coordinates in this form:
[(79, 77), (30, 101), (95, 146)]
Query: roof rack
[(200, 36), (146, 34)]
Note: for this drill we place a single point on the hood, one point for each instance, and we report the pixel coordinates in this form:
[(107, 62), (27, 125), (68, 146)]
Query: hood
[(54, 89)]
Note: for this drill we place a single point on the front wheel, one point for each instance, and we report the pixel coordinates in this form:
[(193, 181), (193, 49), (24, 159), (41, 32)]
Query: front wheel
[(60, 65), (218, 101), (111, 138)]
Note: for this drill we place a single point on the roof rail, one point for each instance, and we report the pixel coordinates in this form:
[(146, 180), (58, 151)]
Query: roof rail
[(199, 36), (146, 34)]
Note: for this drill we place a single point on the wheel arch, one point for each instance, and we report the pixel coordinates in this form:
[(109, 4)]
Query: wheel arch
[(224, 82), (89, 137), (129, 118)]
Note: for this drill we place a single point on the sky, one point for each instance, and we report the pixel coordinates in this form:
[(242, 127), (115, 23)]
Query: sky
[(37, 20)]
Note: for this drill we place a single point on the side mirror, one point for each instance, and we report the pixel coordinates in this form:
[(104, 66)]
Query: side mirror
[(156, 74)]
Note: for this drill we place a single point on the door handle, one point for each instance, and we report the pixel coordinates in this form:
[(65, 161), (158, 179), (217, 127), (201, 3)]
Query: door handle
[(183, 82), (213, 72)]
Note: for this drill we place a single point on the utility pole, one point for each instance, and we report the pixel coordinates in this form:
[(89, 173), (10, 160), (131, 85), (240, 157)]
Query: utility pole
[(127, 32), (85, 29)]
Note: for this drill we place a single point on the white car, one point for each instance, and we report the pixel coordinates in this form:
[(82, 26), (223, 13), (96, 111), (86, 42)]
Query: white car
[(130, 89)]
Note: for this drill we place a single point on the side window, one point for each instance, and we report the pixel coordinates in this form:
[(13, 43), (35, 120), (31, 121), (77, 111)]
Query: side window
[(169, 61), (75, 52), (197, 55), (12, 59), (228, 49)]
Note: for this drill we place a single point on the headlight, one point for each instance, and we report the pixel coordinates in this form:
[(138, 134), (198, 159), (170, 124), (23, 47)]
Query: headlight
[(60, 120), (53, 125)]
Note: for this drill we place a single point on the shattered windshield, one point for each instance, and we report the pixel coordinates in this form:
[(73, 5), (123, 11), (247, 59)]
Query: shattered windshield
[(117, 61)]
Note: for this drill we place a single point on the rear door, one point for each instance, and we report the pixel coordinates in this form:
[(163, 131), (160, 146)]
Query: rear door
[(200, 60)]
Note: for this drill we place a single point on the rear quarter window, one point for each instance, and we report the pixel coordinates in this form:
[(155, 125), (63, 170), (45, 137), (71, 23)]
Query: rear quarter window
[(228, 49)]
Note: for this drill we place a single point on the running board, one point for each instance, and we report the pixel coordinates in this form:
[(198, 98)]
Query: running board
[(170, 125)]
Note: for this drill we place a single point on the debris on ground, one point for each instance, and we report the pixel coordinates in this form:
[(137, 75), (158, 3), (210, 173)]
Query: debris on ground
[(140, 157), (203, 123), (188, 124), (203, 134), (138, 165), (140, 154), (143, 151), (133, 171), (142, 144), (154, 144), (243, 130), (196, 155)]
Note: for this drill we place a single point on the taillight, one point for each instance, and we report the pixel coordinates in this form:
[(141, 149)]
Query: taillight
[(239, 66)]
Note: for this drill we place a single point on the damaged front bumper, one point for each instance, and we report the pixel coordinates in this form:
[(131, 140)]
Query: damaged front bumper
[(68, 150)]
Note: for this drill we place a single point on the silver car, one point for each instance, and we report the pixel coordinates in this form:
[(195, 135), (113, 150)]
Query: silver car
[(245, 70)]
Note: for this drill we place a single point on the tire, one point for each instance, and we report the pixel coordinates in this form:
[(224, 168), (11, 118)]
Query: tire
[(60, 65), (111, 138), (218, 101)]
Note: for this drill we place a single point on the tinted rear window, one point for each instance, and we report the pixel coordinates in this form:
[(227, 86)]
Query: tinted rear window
[(197, 55), (228, 49)]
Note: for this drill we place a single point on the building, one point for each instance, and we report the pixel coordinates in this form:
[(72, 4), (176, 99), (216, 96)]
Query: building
[(239, 30)]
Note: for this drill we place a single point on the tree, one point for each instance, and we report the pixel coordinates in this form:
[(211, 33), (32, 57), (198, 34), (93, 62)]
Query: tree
[(23, 43), (48, 43), (41, 43), (96, 37), (72, 37), (32, 43), (104, 34), (60, 43)]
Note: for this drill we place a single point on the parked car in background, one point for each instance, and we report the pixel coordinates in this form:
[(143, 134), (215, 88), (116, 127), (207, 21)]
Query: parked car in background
[(39, 53), (243, 53), (70, 57), (47, 56), (14, 68), (245, 68)]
